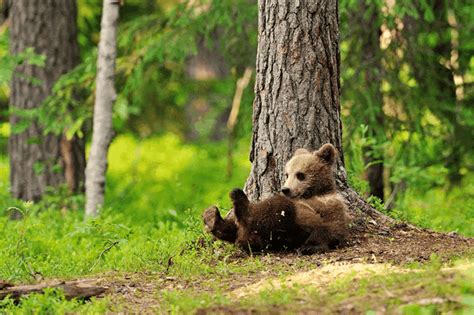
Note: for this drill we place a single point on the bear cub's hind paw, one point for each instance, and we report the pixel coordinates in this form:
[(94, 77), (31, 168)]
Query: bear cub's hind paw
[(211, 218)]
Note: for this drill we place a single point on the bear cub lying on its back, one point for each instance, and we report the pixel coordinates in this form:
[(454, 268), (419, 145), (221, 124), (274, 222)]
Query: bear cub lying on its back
[(310, 215)]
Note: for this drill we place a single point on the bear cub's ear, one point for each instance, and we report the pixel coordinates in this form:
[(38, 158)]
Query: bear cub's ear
[(301, 151), (327, 153)]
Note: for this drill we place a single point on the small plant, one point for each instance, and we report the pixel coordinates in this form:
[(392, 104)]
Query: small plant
[(110, 234)]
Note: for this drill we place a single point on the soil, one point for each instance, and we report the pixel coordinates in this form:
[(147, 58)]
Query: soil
[(325, 276), (376, 250), (382, 249)]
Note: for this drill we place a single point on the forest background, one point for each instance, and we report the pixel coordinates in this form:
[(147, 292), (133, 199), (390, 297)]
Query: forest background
[(407, 73)]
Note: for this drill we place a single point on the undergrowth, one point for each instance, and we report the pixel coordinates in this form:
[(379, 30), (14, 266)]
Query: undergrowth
[(156, 191)]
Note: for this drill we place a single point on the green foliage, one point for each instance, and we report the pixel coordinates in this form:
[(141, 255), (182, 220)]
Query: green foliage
[(183, 176), (421, 192), (450, 211), (51, 302), (399, 63), (9, 62), (153, 49)]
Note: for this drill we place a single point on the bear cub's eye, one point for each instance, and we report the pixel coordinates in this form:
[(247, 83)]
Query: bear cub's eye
[(300, 176)]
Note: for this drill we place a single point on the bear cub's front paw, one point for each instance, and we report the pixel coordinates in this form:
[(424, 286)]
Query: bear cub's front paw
[(238, 196)]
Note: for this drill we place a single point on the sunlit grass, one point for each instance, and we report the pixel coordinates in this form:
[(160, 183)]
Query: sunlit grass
[(441, 209), (156, 191), (160, 178)]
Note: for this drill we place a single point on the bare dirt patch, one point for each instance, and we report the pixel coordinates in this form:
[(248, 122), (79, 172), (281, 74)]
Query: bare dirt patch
[(319, 278), (325, 276), (377, 295)]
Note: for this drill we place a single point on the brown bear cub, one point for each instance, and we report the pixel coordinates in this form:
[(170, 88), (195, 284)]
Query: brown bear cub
[(268, 224), (309, 215)]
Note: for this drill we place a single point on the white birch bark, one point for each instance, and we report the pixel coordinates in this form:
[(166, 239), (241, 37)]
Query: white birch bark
[(105, 97)]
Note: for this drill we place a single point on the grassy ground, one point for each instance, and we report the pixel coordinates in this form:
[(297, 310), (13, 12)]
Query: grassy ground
[(359, 288), (156, 191)]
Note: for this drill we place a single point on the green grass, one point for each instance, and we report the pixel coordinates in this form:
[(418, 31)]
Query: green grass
[(160, 178), (440, 209), (53, 302), (156, 191), (432, 288)]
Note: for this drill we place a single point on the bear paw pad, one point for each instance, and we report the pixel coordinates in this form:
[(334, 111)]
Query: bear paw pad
[(211, 218)]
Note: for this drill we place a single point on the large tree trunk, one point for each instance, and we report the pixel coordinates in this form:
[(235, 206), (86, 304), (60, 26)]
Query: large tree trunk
[(297, 93), (105, 97), (38, 160)]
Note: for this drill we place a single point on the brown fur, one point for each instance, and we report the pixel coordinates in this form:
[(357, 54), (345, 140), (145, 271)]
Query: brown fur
[(268, 224), (265, 225), (311, 215), (316, 169)]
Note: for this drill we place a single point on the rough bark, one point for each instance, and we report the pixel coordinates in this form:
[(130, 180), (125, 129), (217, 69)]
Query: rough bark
[(297, 93), (105, 97), (36, 160)]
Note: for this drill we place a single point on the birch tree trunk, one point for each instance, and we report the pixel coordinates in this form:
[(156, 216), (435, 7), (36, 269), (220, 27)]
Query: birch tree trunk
[(297, 93), (38, 160), (105, 97)]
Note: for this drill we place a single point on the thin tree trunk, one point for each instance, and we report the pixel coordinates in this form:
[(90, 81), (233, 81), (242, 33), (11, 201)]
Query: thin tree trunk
[(207, 64), (297, 93), (371, 57), (4, 7), (241, 85), (36, 160), (105, 97), (74, 159)]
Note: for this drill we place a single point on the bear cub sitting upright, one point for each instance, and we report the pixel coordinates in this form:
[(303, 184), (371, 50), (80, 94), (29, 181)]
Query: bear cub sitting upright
[(309, 215)]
